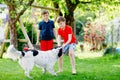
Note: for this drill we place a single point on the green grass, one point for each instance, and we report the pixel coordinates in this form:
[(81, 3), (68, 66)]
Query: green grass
[(99, 68)]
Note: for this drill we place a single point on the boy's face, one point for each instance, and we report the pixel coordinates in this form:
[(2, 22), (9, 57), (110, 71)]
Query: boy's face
[(61, 24), (45, 16)]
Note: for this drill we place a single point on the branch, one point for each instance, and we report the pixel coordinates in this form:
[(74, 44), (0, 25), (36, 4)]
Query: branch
[(22, 11), (83, 2), (54, 9), (71, 5), (21, 1)]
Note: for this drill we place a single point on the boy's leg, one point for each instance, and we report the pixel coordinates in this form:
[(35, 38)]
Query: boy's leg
[(46, 45), (60, 60), (49, 44), (72, 58), (43, 44), (60, 64)]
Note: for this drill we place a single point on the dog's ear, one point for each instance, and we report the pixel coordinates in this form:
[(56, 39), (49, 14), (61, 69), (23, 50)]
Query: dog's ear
[(23, 54), (60, 52), (35, 52)]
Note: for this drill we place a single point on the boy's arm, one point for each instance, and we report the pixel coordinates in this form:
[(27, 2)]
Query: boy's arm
[(68, 41), (55, 32), (59, 40), (38, 34)]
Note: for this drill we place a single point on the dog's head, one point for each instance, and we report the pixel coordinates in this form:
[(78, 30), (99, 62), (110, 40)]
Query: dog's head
[(58, 50), (28, 52)]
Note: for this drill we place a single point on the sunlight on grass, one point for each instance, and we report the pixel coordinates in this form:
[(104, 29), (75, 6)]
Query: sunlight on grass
[(116, 66), (87, 53)]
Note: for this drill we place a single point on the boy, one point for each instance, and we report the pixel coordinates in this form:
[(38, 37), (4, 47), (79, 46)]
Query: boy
[(65, 32), (46, 32)]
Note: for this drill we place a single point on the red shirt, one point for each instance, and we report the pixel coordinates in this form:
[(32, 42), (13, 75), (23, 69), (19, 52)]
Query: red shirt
[(65, 32)]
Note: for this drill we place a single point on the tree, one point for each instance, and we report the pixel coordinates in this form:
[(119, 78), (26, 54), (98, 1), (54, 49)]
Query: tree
[(69, 7), (66, 8), (16, 9)]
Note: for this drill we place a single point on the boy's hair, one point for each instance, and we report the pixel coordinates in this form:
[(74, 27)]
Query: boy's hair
[(61, 18), (44, 12)]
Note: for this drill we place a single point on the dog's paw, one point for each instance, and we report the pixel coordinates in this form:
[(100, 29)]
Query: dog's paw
[(43, 71), (28, 76), (54, 74)]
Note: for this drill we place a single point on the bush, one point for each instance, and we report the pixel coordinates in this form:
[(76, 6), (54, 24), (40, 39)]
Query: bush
[(30, 32)]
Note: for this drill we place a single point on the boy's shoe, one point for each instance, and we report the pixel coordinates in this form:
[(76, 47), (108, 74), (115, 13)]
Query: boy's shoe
[(74, 72)]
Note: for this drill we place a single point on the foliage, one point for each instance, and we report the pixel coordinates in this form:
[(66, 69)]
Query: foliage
[(96, 11), (0, 21), (94, 34), (102, 68), (31, 34), (86, 10), (16, 9), (81, 21), (112, 32)]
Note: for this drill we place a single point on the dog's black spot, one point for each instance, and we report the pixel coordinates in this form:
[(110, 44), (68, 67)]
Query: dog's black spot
[(35, 52), (56, 47), (60, 53), (23, 54)]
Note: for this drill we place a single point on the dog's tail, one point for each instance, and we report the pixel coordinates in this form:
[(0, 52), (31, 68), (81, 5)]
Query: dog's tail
[(13, 53)]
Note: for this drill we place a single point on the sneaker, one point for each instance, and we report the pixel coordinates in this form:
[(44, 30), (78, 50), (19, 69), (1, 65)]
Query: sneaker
[(74, 72)]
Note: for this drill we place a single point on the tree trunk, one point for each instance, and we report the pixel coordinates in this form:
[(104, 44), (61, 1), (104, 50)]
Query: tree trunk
[(13, 18), (56, 5), (12, 24), (13, 33), (70, 19), (70, 15)]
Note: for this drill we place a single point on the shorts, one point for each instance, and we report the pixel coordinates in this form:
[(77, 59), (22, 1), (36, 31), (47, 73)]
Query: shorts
[(46, 45), (69, 46)]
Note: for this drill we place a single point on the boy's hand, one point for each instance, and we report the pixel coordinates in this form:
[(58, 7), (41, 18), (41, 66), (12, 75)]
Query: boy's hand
[(63, 45), (37, 43)]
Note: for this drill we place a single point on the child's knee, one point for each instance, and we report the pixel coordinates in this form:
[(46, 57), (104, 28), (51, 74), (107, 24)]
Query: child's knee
[(71, 54)]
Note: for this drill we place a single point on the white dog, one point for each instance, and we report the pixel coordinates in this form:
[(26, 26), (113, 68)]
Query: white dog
[(43, 59)]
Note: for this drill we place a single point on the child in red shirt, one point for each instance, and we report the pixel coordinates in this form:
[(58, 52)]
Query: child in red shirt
[(65, 32)]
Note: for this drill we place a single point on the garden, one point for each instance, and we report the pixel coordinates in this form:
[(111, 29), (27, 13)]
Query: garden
[(96, 25)]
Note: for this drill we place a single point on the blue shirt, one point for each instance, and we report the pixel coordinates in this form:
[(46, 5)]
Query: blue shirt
[(46, 28)]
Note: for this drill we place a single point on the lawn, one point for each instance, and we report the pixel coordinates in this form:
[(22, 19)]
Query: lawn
[(97, 68)]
